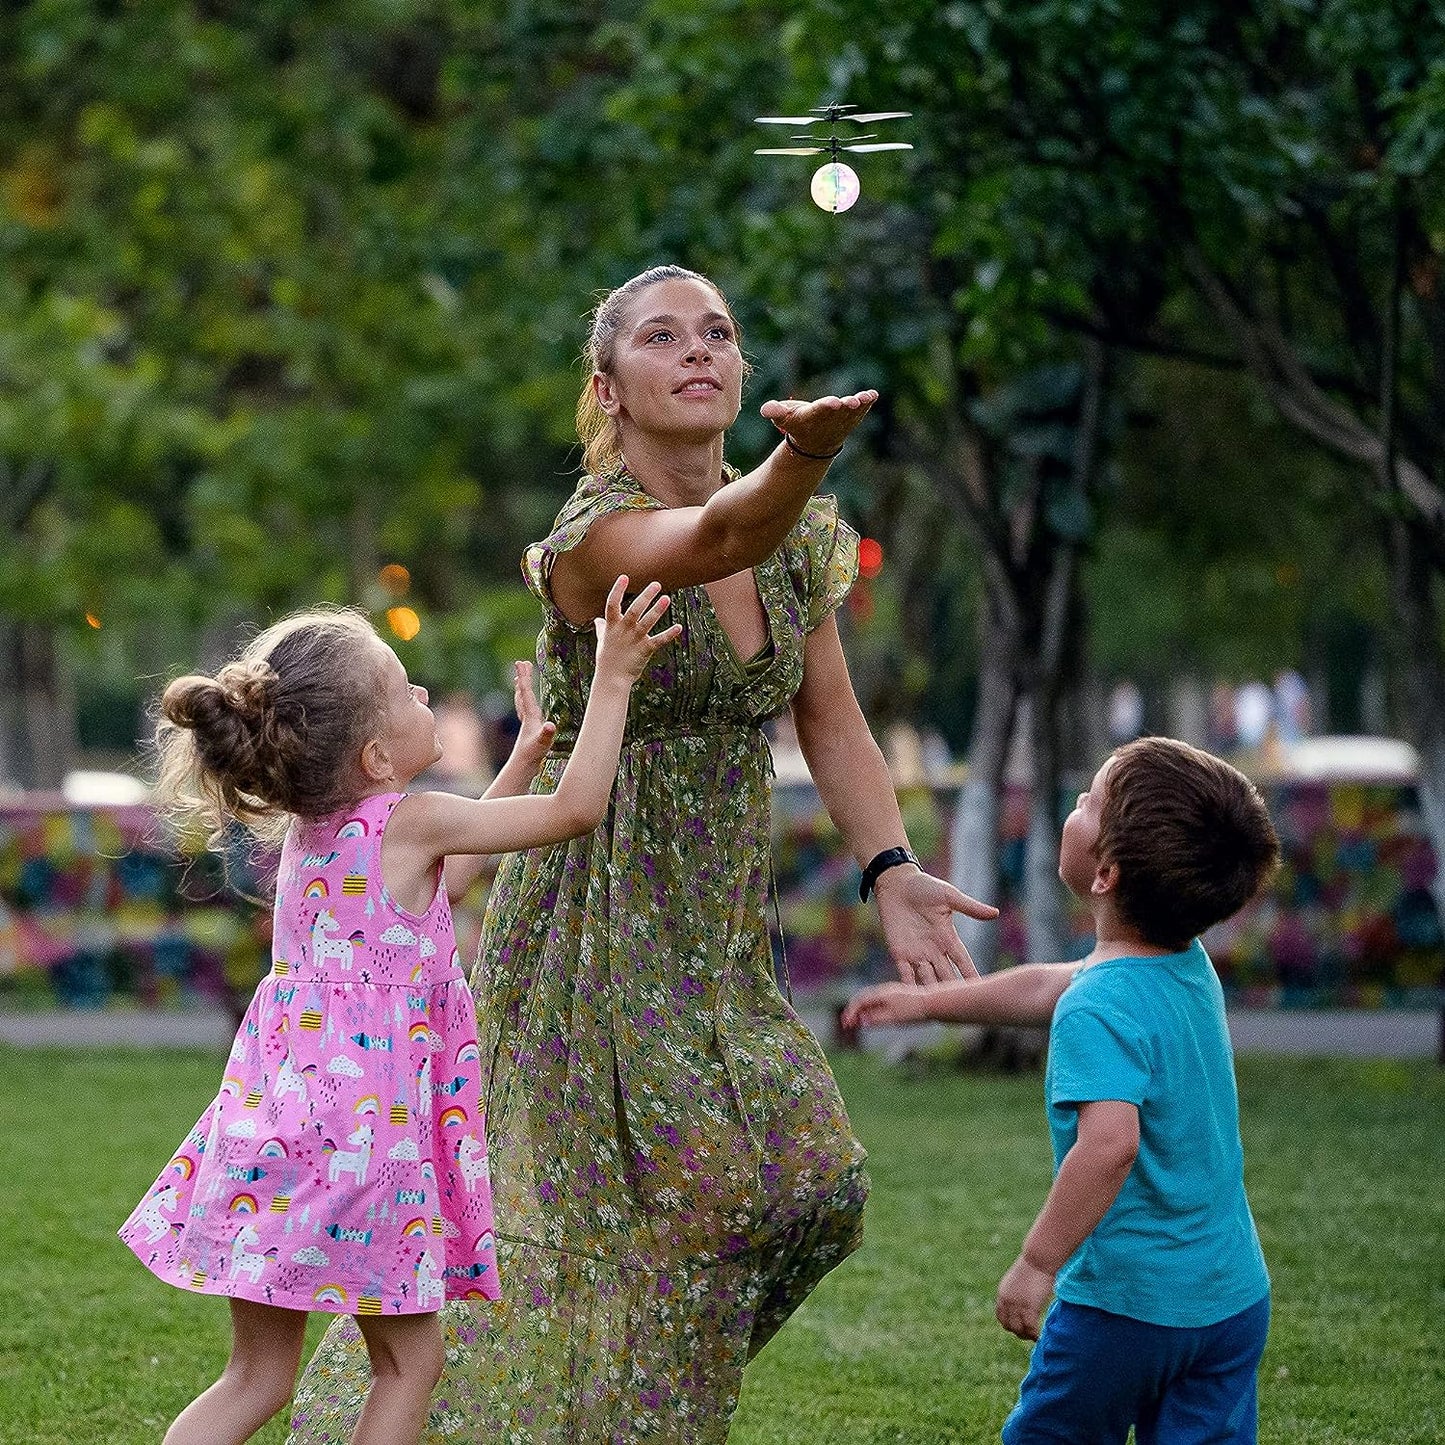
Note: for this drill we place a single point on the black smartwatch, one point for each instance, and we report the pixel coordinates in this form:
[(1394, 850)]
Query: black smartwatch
[(882, 862)]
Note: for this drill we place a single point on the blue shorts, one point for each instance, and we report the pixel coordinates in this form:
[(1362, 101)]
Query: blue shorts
[(1094, 1374)]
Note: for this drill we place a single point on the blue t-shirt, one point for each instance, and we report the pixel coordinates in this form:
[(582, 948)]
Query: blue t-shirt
[(1178, 1246)]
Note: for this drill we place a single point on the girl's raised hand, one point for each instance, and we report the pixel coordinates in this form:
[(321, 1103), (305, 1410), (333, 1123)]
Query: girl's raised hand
[(534, 737), (625, 640), (821, 426)]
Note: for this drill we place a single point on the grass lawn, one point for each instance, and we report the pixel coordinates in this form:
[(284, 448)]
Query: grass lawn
[(1345, 1172)]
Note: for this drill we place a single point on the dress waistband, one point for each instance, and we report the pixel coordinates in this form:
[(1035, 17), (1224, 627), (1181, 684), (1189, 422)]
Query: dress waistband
[(563, 743)]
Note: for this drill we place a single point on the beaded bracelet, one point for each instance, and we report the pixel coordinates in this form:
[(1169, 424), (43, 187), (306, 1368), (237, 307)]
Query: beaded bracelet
[(793, 447)]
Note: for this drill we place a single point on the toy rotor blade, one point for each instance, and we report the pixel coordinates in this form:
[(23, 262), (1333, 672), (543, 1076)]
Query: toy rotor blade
[(873, 115), (789, 151), (784, 119), (886, 145)]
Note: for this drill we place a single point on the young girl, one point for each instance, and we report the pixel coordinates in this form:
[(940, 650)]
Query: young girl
[(343, 1165)]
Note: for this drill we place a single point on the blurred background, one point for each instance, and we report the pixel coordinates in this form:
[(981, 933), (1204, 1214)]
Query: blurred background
[(291, 302)]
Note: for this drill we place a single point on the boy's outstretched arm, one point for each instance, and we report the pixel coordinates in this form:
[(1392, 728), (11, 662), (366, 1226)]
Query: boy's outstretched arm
[(1088, 1182), (1024, 995)]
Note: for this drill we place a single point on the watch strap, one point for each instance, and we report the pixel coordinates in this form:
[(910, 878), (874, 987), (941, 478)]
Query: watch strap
[(881, 863)]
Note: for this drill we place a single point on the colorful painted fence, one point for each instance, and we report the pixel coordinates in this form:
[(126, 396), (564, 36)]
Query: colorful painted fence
[(1348, 922), (94, 910), (94, 907)]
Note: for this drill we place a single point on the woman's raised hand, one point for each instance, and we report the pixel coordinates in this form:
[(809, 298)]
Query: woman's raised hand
[(625, 640), (819, 427)]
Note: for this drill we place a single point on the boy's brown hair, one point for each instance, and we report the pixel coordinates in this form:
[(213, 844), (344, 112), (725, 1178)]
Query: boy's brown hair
[(1190, 836)]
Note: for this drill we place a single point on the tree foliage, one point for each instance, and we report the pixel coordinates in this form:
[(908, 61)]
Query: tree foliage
[(293, 289)]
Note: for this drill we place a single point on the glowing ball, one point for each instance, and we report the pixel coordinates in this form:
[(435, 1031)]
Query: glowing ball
[(835, 187)]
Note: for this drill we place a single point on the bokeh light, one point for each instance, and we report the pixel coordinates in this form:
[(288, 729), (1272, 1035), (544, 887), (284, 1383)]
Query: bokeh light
[(870, 557), (91, 620), (860, 603), (404, 622), (395, 579), (835, 187)]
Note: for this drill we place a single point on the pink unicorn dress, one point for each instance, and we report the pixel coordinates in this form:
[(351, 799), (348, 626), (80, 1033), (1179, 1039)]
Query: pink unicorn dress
[(343, 1165)]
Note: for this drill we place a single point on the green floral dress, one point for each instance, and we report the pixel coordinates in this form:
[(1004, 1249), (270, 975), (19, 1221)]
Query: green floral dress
[(673, 1169)]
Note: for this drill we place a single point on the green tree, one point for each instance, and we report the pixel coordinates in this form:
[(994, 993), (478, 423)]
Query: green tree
[(1285, 157), (293, 289), (235, 372)]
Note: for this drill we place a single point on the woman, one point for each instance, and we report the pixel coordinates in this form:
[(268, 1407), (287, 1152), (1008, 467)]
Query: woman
[(673, 1167)]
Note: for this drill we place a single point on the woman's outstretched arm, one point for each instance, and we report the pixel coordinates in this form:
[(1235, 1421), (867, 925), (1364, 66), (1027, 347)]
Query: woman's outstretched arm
[(739, 526), (857, 789)]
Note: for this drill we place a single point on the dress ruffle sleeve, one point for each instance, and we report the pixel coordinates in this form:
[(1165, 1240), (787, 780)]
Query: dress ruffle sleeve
[(822, 552), (595, 497)]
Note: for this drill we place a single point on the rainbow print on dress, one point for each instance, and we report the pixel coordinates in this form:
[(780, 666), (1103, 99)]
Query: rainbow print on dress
[(294, 1184)]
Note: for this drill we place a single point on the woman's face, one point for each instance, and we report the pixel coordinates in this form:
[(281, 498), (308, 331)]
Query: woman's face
[(676, 370)]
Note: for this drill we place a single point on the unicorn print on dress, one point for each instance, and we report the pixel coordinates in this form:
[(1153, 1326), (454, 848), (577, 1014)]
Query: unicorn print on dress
[(353, 1162), (472, 1157), (244, 1262), (291, 1080), (431, 1288), (152, 1216), (324, 949)]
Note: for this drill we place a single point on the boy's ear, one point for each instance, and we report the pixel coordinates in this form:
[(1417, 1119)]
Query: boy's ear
[(375, 762), (1106, 879)]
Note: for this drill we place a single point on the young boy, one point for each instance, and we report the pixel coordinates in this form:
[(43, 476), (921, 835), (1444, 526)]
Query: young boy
[(1145, 1239)]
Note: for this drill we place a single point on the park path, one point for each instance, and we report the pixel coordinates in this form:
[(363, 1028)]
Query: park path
[(1353, 1033)]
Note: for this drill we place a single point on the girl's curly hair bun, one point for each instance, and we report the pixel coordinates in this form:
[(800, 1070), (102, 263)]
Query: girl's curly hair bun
[(250, 687), (276, 731), (240, 693)]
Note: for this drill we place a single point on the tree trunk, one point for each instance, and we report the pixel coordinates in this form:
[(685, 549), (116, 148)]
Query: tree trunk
[(1410, 555), (1412, 584), (1043, 893), (1043, 903), (37, 707), (1058, 639), (973, 843)]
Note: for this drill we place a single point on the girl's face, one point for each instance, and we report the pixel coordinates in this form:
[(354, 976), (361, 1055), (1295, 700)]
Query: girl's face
[(677, 370), (1078, 858), (409, 731)]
